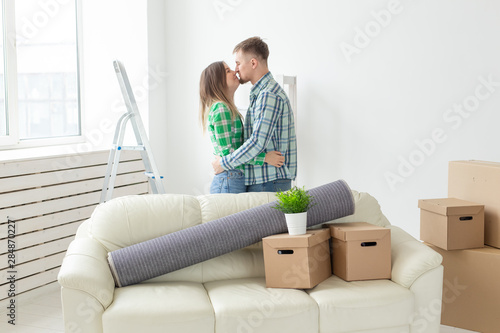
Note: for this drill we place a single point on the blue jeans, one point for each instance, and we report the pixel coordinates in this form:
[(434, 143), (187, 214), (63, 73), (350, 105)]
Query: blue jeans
[(272, 186), (231, 181)]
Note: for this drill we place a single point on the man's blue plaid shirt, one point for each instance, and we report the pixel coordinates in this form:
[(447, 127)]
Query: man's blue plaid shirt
[(269, 126)]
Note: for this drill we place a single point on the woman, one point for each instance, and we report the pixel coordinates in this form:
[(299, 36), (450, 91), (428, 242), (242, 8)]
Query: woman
[(220, 116)]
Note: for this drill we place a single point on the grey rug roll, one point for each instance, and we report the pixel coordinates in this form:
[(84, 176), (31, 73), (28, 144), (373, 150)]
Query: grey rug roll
[(165, 254)]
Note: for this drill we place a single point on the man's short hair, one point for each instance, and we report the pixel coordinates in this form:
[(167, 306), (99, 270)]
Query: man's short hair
[(254, 46)]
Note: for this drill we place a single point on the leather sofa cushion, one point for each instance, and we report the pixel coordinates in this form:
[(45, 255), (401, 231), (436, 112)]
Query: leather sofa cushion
[(215, 206), (129, 220), (381, 303), (172, 306), (246, 305)]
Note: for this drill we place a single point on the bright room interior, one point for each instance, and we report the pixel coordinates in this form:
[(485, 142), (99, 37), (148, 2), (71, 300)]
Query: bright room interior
[(388, 93)]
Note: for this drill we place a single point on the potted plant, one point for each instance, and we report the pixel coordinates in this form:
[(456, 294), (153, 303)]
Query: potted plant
[(295, 203)]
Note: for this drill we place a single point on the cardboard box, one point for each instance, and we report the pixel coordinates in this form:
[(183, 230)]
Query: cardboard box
[(471, 289), (361, 251), (451, 223), (479, 181), (300, 261)]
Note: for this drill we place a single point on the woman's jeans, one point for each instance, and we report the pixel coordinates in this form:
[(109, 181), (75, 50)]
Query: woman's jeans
[(231, 181)]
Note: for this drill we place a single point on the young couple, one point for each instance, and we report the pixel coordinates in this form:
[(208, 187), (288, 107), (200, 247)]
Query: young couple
[(261, 154)]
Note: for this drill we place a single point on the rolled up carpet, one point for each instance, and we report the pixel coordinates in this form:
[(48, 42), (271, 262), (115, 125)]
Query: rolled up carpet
[(183, 248)]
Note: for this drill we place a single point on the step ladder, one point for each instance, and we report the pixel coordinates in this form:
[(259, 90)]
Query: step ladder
[(132, 115)]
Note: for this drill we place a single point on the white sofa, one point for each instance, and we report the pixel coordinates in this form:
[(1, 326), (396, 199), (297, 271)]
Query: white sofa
[(228, 294)]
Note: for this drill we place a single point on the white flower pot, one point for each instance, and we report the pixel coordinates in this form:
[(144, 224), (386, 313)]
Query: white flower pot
[(296, 223)]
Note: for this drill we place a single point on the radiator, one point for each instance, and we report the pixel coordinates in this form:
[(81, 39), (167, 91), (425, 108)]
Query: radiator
[(47, 199)]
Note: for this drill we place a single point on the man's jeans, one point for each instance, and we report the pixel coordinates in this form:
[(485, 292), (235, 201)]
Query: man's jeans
[(272, 186)]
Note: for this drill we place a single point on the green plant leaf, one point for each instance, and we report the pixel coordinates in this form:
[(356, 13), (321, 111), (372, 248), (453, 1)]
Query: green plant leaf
[(295, 200)]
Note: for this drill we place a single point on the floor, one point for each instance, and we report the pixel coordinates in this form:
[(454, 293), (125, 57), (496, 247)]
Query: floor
[(42, 313)]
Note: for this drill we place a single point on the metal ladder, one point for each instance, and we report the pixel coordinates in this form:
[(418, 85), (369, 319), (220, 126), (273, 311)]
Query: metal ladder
[(132, 115)]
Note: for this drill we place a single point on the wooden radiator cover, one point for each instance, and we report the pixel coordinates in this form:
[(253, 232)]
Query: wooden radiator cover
[(48, 198)]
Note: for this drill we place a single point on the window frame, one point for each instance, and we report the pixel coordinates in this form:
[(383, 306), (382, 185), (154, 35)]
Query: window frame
[(12, 139)]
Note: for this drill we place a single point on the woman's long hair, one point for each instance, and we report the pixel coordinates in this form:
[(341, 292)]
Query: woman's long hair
[(213, 85)]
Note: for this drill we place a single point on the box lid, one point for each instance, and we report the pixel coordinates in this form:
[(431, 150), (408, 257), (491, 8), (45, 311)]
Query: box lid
[(450, 206), (481, 163), (311, 238), (357, 231)]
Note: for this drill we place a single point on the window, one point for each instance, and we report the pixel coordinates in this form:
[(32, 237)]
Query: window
[(39, 93), (3, 114)]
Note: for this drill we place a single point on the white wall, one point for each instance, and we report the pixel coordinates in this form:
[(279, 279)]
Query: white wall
[(362, 111), (112, 29), (157, 60)]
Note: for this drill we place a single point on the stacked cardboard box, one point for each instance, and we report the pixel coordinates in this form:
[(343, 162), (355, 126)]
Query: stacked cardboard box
[(452, 224), (300, 261), (359, 251), (471, 291), (479, 182)]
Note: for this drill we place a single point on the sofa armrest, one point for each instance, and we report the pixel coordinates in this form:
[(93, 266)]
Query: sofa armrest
[(83, 230), (86, 268), (410, 258)]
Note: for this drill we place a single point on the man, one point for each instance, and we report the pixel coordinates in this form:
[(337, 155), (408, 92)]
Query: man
[(269, 123)]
